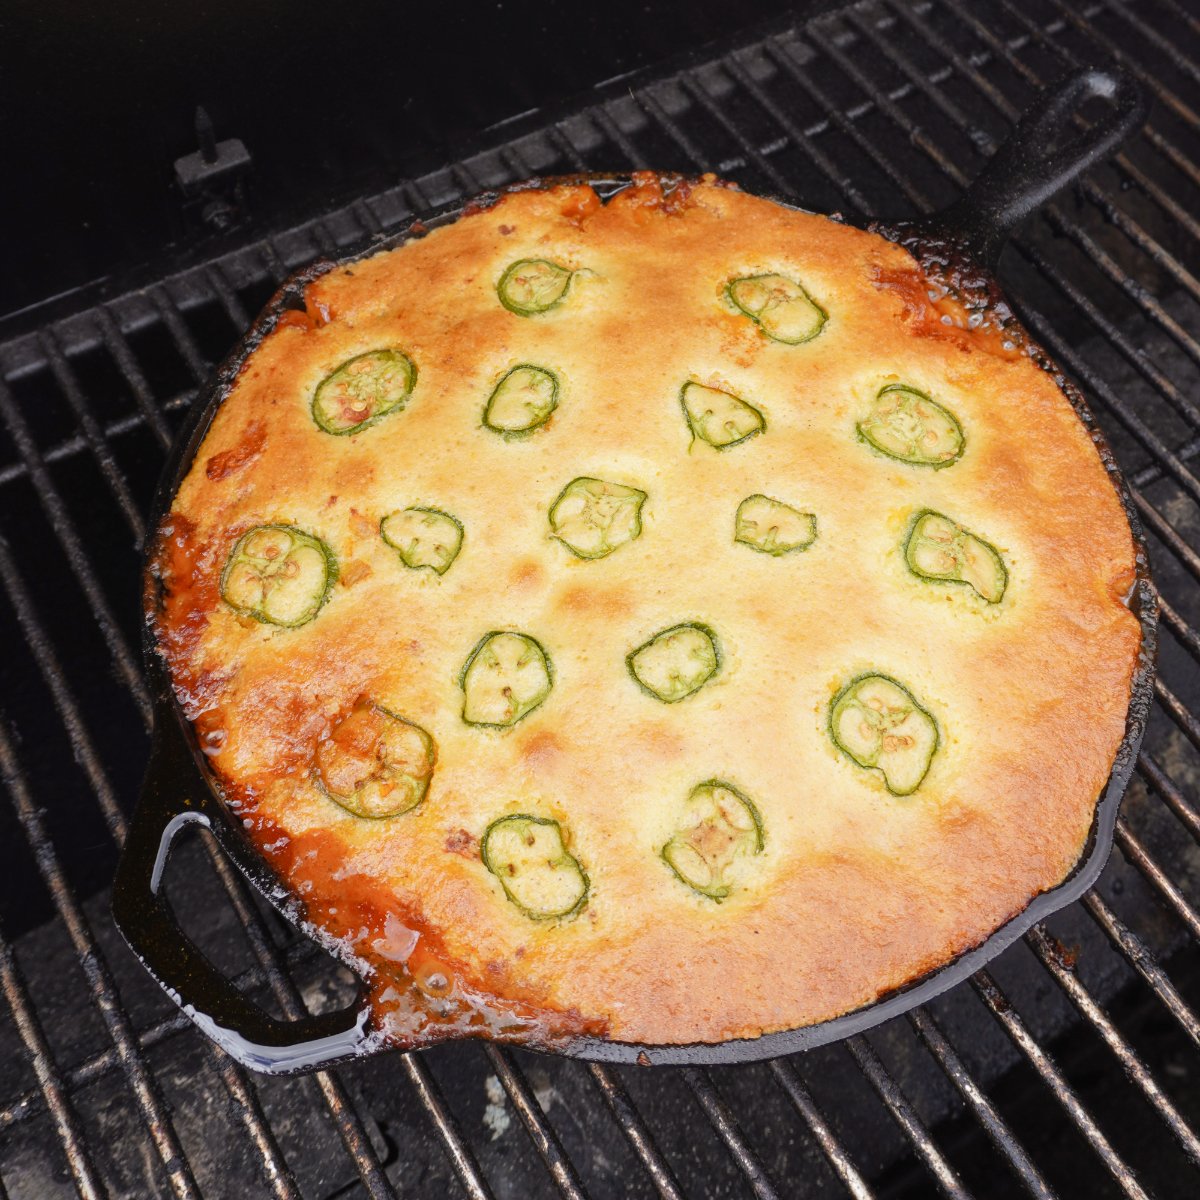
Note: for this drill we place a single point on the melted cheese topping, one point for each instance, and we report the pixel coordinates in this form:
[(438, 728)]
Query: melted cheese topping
[(856, 891)]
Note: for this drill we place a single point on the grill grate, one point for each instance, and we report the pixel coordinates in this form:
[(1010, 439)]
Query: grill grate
[(1070, 1065)]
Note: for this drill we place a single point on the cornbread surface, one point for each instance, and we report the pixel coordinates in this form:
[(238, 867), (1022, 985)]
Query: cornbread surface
[(856, 891)]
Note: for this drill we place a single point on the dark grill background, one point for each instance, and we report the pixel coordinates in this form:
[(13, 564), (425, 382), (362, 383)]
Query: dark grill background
[(1070, 1067)]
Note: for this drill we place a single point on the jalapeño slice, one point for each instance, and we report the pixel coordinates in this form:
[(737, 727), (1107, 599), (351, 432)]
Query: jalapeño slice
[(676, 662), (719, 418), (719, 826), (772, 527), (505, 678), (538, 874), (522, 401), (533, 285), (592, 517), (279, 575), (362, 390), (877, 723), (423, 537), (906, 424), (779, 306), (941, 549), (375, 763)]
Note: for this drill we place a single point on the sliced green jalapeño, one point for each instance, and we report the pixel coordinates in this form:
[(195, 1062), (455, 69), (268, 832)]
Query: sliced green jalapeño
[(676, 662), (939, 548), (907, 425), (779, 306), (592, 517), (772, 527), (505, 678), (537, 872), (533, 285), (718, 827), (363, 390), (522, 401), (719, 418), (375, 763), (279, 575), (878, 724), (423, 537)]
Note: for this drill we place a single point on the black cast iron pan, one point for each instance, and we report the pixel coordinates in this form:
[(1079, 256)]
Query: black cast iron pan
[(962, 244)]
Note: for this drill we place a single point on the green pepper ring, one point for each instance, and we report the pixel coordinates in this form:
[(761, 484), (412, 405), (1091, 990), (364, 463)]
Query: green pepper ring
[(863, 436), (410, 369), (696, 436), (433, 512), (479, 645), (430, 754), (937, 729), (520, 310), (516, 435), (771, 337), (935, 579), (760, 839), (587, 883), (331, 574), (704, 629)]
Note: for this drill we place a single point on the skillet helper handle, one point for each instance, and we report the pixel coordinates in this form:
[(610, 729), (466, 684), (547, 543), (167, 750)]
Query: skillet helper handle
[(255, 1038), (1043, 154)]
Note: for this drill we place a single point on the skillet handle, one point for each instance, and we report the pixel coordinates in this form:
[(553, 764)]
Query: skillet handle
[(256, 1039), (1043, 154)]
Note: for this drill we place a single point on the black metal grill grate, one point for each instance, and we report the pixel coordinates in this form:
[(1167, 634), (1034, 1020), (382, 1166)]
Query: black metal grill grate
[(1069, 1068)]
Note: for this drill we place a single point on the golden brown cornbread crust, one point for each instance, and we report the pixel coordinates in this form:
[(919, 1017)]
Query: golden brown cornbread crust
[(857, 891)]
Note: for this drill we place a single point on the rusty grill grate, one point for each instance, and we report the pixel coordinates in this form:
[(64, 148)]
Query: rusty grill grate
[(1069, 1068)]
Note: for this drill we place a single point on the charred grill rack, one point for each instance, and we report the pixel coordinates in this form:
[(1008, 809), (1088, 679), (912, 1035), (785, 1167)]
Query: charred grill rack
[(1071, 1067)]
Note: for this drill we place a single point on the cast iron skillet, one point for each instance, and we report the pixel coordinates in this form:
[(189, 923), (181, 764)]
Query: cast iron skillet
[(963, 243)]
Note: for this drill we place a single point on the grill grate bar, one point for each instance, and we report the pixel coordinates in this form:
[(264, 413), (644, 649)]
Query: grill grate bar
[(801, 1098), (634, 1128), (1138, 955), (101, 985), (1162, 783), (68, 537), (1152, 35), (905, 1116), (1057, 961), (1010, 1021), (1136, 853), (1169, 537), (431, 1097), (1178, 712), (1180, 628), (541, 1132), (50, 1083), (64, 376), (981, 1107), (127, 363), (721, 1118), (250, 1112), (1160, 90)]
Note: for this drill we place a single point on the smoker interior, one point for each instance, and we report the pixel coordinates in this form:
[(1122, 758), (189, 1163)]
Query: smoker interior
[(1069, 1067)]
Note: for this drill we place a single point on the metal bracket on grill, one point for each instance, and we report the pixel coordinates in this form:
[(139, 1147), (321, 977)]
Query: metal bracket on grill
[(212, 178)]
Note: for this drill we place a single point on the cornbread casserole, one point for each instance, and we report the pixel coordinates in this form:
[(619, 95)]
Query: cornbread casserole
[(659, 619)]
